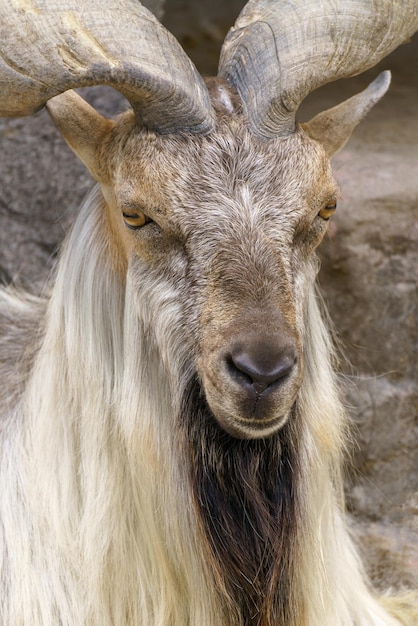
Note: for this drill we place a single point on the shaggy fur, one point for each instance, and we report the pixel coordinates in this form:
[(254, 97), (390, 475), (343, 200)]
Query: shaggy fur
[(123, 500)]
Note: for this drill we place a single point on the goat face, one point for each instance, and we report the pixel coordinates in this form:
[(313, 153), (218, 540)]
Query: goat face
[(251, 231), (227, 225)]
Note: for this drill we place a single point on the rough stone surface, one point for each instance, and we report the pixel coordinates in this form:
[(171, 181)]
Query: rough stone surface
[(369, 269)]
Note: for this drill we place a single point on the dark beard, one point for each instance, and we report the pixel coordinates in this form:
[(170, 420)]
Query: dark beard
[(246, 499)]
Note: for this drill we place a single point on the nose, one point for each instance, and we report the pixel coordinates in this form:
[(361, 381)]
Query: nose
[(259, 366)]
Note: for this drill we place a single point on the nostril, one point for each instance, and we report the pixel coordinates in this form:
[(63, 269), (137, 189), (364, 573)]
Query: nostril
[(261, 368), (238, 371)]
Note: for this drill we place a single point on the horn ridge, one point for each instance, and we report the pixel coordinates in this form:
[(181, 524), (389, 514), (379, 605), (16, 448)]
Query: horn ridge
[(48, 47), (279, 51)]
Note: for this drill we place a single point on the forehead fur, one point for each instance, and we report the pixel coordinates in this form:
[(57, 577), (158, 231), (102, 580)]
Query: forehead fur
[(189, 170)]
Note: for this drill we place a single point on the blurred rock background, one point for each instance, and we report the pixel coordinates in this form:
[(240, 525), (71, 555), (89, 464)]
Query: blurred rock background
[(369, 270)]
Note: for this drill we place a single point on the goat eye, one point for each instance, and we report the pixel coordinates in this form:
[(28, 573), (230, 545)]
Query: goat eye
[(327, 210), (135, 219)]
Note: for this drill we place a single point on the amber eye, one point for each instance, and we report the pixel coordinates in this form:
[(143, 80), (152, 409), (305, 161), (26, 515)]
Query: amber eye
[(327, 210), (135, 219)]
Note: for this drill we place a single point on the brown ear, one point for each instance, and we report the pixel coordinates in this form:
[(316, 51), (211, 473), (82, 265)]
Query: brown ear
[(84, 130), (333, 127)]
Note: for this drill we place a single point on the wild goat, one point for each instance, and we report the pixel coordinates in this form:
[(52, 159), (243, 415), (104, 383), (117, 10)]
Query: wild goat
[(171, 433)]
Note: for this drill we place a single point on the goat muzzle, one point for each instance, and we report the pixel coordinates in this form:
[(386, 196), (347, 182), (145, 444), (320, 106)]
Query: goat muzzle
[(251, 382)]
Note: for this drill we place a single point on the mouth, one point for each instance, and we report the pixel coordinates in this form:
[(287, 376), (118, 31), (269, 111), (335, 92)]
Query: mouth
[(244, 428)]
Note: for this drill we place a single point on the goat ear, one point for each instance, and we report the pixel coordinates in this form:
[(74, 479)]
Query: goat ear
[(84, 130), (333, 127)]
